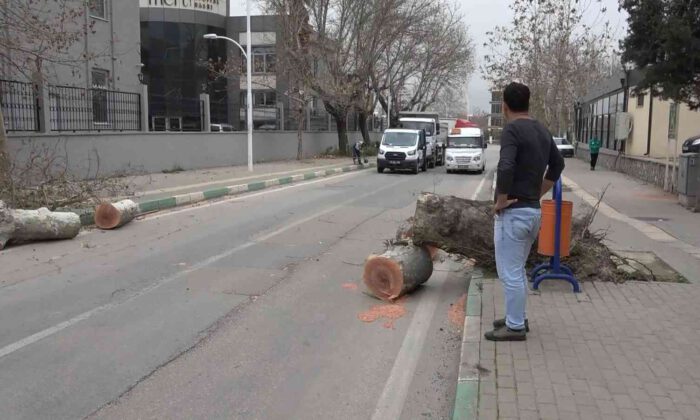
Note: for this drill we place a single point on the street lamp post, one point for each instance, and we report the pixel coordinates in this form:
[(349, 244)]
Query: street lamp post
[(247, 55)]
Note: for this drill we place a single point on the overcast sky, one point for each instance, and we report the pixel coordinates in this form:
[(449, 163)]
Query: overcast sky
[(481, 16)]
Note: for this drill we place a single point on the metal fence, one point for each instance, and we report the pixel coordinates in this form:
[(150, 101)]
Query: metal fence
[(19, 104), (79, 109)]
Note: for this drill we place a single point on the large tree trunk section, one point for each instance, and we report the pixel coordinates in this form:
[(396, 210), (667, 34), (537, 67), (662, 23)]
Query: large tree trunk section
[(341, 124), (455, 225), (398, 271), (112, 216), (364, 126), (36, 225)]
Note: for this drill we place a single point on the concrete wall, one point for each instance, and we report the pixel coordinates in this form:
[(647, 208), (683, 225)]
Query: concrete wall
[(645, 169), (132, 153)]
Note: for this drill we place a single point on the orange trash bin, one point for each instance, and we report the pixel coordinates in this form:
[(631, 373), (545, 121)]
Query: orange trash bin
[(545, 243)]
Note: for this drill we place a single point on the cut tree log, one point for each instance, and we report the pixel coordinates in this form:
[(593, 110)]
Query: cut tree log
[(455, 225), (401, 269), (115, 215), (36, 225)]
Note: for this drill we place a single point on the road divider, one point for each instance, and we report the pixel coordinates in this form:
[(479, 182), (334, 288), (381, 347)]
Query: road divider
[(87, 215)]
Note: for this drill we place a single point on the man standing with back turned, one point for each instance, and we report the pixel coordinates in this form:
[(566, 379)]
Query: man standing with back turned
[(527, 151)]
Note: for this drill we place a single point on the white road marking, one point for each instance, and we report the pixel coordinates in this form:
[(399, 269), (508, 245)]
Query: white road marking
[(480, 187), (393, 398), (11, 348)]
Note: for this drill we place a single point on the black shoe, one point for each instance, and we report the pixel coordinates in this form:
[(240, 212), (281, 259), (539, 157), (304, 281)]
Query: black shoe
[(500, 323), (506, 334)]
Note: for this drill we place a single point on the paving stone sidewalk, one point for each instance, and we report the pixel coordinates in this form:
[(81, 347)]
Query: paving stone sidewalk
[(628, 351)]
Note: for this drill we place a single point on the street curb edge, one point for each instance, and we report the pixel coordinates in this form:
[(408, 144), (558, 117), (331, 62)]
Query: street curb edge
[(468, 380), (87, 215)]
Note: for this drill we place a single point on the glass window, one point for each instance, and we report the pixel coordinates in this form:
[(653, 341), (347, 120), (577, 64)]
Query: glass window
[(100, 80), (621, 101), (264, 60), (614, 105), (98, 9)]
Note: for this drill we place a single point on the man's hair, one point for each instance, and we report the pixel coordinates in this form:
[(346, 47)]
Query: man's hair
[(517, 97)]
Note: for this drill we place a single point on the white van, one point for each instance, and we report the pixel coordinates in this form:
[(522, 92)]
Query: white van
[(402, 149), (466, 150)]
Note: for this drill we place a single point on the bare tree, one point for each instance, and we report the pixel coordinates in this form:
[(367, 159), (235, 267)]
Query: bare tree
[(431, 55), (557, 47)]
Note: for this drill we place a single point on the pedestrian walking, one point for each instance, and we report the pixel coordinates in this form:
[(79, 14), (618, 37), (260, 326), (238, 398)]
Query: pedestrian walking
[(357, 153), (529, 165), (594, 147)]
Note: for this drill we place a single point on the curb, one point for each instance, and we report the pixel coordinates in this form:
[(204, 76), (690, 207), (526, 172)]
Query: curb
[(468, 380), (87, 215)]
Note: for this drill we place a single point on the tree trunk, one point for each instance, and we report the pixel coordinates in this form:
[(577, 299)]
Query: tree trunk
[(455, 225), (364, 129), (398, 271), (34, 225), (112, 216), (341, 124), (300, 133)]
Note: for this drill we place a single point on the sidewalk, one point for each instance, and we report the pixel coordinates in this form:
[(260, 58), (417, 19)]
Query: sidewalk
[(160, 185), (157, 192), (614, 351)]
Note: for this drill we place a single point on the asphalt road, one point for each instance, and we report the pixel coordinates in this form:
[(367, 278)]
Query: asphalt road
[(243, 308)]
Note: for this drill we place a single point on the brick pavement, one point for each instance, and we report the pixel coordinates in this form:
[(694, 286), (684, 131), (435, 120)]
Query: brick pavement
[(628, 351)]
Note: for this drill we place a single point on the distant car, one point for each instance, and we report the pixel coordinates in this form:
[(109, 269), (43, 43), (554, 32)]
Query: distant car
[(268, 126), (692, 145), (221, 128), (565, 148)]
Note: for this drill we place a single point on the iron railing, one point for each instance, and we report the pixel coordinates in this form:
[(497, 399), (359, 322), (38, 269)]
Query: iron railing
[(19, 104), (96, 109)]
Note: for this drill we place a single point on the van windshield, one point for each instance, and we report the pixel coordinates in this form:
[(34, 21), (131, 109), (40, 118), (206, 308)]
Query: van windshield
[(465, 142), (416, 125), (400, 139)]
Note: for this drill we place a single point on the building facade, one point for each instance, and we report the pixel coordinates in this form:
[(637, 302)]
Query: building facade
[(653, 120), (496, 119), (176, 60), (85, 80)]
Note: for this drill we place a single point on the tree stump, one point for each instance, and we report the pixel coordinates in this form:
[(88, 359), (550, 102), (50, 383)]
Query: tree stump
[(36, 225), (455, 225), (398, 271), (115, 215)]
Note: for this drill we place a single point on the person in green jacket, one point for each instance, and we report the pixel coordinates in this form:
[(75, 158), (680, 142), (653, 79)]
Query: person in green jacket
[(594, 147)]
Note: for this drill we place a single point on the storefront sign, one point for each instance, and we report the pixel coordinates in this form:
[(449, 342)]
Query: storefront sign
[(211, 6)]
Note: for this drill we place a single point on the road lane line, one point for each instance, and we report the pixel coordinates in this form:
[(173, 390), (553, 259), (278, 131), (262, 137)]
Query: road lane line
[(18, 345), (393, 398), (481, 186)]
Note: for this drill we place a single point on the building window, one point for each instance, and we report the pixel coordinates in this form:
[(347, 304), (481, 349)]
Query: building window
[(98, 9), (261, 99), (640, 100), (100, 80), (264, 60)]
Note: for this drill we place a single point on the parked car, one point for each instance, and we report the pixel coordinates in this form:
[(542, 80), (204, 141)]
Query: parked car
[(220, 128), (565, 148), (402, 149), (692, 145)]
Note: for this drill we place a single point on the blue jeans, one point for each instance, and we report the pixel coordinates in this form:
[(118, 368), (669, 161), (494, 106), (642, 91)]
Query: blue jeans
[(515, 231)]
